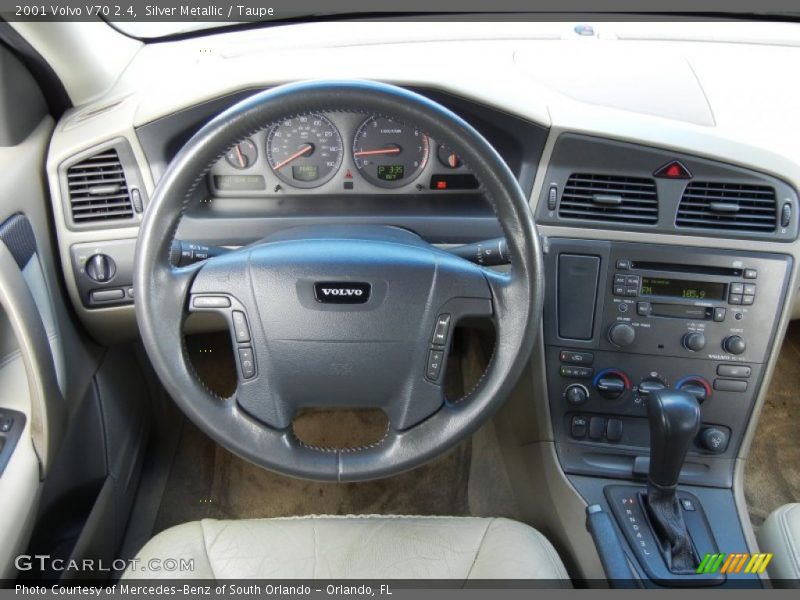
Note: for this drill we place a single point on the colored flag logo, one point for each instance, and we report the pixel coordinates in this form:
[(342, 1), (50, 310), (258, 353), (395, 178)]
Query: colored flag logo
[(734, 563)]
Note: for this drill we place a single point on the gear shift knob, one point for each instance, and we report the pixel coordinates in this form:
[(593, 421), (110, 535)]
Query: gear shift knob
[(674, 418)]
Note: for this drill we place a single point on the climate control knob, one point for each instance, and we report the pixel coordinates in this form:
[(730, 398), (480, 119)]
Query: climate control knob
[(576, 394), (734, 344), (621, 334), (694, 341), (101, 268), (696, 386), (611, 384)]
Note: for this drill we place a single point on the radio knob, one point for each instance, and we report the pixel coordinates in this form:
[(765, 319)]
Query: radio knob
[(621, 334), (576, 394), (734, 344), (694, 341)]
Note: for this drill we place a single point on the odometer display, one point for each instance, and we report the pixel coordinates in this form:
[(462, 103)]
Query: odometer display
[(681, 288), (389, 154), (304, 151), (391, 172)]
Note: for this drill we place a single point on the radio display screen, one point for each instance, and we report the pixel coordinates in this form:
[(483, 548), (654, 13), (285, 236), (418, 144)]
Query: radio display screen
[(682, 288)]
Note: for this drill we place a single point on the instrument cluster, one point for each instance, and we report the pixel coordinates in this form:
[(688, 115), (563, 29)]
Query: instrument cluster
[(339, 153)]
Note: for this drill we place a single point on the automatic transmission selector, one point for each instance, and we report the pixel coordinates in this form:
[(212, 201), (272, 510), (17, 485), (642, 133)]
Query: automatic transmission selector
[(674, 418)]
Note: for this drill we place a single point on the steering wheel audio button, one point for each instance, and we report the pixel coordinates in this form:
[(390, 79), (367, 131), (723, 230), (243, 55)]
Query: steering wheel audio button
[(247, 362), (440, 332), (240, 328), (435, 359)]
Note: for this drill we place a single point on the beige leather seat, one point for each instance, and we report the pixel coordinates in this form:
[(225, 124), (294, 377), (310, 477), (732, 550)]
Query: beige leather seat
[(373, 547), (780, 535)]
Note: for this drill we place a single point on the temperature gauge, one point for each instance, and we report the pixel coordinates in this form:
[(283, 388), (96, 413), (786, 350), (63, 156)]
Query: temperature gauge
[(448, 158)]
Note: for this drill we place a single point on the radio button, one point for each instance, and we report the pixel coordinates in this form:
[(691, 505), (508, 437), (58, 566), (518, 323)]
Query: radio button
[(735, 299), (736, 288), (750, 274), (733, 371), (632, 280), (644, 309), (623, 264), (730, 385), (631, 292), (619, 290), (748, 300), (750, 289), (619, 279), (719, 314)]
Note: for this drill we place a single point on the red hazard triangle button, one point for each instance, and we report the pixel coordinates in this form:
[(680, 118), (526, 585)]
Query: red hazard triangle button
[(673, 170)]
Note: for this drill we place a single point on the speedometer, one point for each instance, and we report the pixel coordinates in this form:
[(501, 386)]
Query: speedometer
[(304, 151), (389, 154)]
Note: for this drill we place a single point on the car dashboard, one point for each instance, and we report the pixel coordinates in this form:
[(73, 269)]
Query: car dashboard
[(665, 198)]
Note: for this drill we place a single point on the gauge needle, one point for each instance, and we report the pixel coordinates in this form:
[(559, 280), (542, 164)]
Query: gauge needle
[(240, 156), (303, 150), (392, 150)]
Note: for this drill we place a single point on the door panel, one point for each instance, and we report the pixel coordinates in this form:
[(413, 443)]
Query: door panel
[(46, 364)]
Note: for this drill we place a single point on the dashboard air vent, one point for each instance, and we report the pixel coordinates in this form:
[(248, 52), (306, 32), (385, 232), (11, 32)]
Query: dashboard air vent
[(615, 198), (98, 190), (732, 206)]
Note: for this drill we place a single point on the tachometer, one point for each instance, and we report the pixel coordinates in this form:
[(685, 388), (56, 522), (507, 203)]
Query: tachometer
[(389, 154), (304, 151)]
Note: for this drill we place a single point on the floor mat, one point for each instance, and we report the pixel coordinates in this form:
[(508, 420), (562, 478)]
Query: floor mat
[(772, 471), (207, 481)]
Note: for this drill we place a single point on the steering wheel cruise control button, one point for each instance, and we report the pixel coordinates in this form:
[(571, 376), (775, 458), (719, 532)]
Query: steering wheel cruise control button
[(240, 328), (434, 369), (211, 302), (441, 330), (247, 362)]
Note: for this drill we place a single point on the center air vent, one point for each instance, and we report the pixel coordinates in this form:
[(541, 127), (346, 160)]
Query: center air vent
[(731, 206), (98, 190), (619, 199)]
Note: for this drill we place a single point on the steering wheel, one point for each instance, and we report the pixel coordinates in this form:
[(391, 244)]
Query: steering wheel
[(336, 316)]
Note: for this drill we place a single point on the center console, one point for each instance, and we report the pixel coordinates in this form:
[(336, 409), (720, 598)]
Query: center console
[(628, 325)]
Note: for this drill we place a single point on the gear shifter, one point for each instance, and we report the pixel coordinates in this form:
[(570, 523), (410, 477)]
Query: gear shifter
[(674, 418)]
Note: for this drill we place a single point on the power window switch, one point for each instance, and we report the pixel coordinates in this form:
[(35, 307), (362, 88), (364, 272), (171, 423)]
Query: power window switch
[(240, 328), (6, 423), (434, 369), (247, 362)]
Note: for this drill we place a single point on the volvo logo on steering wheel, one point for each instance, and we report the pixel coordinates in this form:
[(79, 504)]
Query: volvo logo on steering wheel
[(341, 292)]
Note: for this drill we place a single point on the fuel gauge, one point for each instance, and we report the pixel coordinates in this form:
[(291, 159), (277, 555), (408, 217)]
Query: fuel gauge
[(242, 155)]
